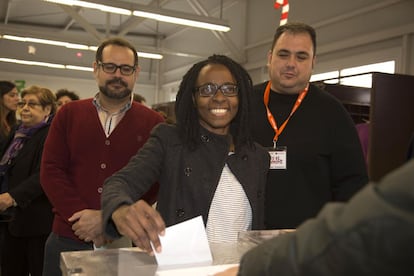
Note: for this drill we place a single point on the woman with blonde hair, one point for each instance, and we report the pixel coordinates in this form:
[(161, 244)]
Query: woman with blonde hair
[(21, 195)]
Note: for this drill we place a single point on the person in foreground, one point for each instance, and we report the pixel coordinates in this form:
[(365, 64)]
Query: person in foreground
[(89, 140), (206, 164), (21, 197), (316, 153), (372, 234)]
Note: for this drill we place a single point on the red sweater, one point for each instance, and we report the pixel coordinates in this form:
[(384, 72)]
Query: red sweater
[(78, 157)]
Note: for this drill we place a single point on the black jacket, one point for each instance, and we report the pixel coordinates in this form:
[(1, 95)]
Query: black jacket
[(188, 179), (33, 215)]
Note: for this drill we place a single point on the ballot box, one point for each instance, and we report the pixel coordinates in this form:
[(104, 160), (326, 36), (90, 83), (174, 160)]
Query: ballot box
[(133, 261)]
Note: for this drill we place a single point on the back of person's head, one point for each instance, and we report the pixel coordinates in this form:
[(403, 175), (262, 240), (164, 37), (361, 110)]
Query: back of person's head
[(6, 87), (64, 96), (139, 98), (65, 92), (45, 96), (7, 117), (295, 28), (118, 42), (187, 116)]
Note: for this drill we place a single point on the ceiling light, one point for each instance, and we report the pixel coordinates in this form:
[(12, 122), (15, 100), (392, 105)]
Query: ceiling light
[(90, 5), (70, 45), (46, 64), (182, 21), (46, 41), (79, 68), (174, 17), (149, 55), (29, 62)]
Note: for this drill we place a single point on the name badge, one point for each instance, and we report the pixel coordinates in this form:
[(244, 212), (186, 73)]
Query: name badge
[(278, 158)]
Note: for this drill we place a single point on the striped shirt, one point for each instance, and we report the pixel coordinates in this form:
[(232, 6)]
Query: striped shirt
[(110, 121), (230, 211)]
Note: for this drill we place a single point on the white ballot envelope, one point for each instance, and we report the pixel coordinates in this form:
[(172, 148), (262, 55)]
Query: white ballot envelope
[(184, 244)]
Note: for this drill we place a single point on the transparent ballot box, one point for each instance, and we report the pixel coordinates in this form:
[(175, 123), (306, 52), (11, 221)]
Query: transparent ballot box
[(133, 261)]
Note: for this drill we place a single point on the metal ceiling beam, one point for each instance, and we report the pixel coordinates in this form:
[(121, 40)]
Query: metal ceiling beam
[(6, 16), (133, 21), (79, 37), (237, 53), (70, 21), (82, 22), (165, 12)]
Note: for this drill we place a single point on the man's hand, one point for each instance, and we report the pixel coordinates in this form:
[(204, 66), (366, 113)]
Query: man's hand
[(6, 201), (87, 225), (141, 223)]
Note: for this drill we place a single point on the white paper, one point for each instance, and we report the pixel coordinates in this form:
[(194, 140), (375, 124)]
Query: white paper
[(199, 271), (184, 244)]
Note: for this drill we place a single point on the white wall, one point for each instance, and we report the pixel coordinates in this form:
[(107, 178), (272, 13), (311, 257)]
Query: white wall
[(85, 88), (349, 33)]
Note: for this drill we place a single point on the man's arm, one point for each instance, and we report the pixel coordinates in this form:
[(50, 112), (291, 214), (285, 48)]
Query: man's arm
[(348, 167), (369, 235), (54, 171)]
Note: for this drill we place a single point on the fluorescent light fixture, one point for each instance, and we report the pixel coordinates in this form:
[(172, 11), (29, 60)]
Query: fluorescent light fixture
[(182, 21), (29, 62), (71, 45), (174, 17), (149, 55), (46, 41), (90, 5), (79, 68), (46, 64)]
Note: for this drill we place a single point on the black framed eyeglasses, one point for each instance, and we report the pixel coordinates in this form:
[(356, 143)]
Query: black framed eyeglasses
[(29, 104), (210, 89), (111, 68)]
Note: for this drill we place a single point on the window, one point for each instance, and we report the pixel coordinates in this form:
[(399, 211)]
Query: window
[(355, 76)]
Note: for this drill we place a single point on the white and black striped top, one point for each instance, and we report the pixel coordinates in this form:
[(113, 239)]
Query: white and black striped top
[(230, 211)]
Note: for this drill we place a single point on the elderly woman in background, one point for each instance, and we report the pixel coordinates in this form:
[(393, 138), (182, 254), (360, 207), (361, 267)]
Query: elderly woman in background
[(21, 196), (9, 97)]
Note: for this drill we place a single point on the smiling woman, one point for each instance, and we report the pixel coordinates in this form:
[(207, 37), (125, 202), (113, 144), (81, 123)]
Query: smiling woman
[(216, 109), (196, 162), (21, 197)]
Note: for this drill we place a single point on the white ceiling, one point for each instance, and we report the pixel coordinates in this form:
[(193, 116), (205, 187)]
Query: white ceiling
[(252, 21), (37, 18)]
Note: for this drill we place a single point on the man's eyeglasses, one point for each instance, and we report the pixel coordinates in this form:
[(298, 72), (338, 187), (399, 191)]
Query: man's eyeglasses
[(210, 89), (111, 68), (29, 104)]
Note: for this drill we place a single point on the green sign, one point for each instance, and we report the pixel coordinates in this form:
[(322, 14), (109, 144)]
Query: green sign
[(20, 84)]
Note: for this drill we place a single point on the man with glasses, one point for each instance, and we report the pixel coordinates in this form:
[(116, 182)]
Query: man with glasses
[(88, 141)]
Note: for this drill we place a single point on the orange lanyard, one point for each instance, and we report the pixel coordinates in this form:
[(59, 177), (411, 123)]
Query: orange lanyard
[(270, 117)]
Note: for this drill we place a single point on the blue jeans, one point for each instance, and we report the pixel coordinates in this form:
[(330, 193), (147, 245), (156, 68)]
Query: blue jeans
[(56, 244)]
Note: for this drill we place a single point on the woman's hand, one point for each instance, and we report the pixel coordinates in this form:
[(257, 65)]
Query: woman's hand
[(141, 223)]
